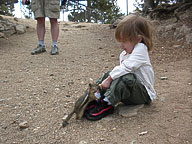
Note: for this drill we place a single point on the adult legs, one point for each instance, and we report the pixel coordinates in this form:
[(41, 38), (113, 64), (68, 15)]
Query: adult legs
[(54, 29), (41, 28), (40, 34), (54, 35)]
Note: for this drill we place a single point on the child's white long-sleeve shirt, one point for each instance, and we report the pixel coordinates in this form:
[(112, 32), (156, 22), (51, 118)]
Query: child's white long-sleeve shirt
[(137, 62)]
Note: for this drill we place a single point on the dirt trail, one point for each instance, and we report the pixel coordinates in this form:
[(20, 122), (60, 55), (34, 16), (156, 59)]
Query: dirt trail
[(39, 89)]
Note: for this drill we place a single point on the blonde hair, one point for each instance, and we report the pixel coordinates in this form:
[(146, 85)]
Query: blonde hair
[(131, 27)]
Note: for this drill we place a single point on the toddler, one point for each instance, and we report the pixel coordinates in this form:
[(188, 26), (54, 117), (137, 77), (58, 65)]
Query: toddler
[(131, 82)]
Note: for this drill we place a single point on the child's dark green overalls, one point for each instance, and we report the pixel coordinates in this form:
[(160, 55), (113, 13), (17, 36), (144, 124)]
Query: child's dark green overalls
[(127, 89)]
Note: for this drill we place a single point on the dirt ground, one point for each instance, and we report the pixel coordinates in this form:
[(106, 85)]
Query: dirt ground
[(39, 89)]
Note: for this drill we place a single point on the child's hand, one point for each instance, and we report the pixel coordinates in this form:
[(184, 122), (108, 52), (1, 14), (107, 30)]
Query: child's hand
[(23, 1), (106, 83)]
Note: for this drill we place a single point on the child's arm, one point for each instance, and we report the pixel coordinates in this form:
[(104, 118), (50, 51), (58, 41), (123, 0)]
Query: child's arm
[(106, 83), (137, 58)]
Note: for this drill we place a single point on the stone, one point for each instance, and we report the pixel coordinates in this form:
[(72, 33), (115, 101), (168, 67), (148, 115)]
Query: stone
[(16, 19), (9, 31), (2, 28), (1, 18), (164, 78), (20, 29), (176, 46), (168, 28), (82, 142), (188, 38), (129, 111), (2, 35), (24, 125), (184, 29), (1, 101), (115, 22), (143, 133)]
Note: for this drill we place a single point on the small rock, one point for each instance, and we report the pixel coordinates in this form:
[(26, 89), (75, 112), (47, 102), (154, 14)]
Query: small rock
[(113, 129), (164, 78), (70, 83), (162, 99), (16, 19), (65, 117), (79, 26), (68, 96), (129, 111), (176, 46), (143, 133), (2, 35), (188, 38), (24, 125), (132, 142), (99, 126), (1, 18), (5, 81), (20, 29), (57, 89), (82, 142), (112, 55), (1, 101), (65, 30), (90, 79), (82, 82), (36, 129)]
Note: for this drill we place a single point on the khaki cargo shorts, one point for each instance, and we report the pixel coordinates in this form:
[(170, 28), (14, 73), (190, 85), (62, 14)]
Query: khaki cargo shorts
[(46, 8)]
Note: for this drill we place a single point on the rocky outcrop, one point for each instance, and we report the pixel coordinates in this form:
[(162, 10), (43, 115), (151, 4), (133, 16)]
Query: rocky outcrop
[(114, 22), (179, 30), (10, 27)]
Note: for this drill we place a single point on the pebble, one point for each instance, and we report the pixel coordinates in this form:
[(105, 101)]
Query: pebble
[(129, 111), (162, 99), (113, 129), (70, 83), (2, 100), (65, 117), (82, 82), (176, 46), (24, 125), (90, 79), (82, 142), (143, 133), (57, 89), (132, 142), (36, 129), (68, 96), (164, 78)]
